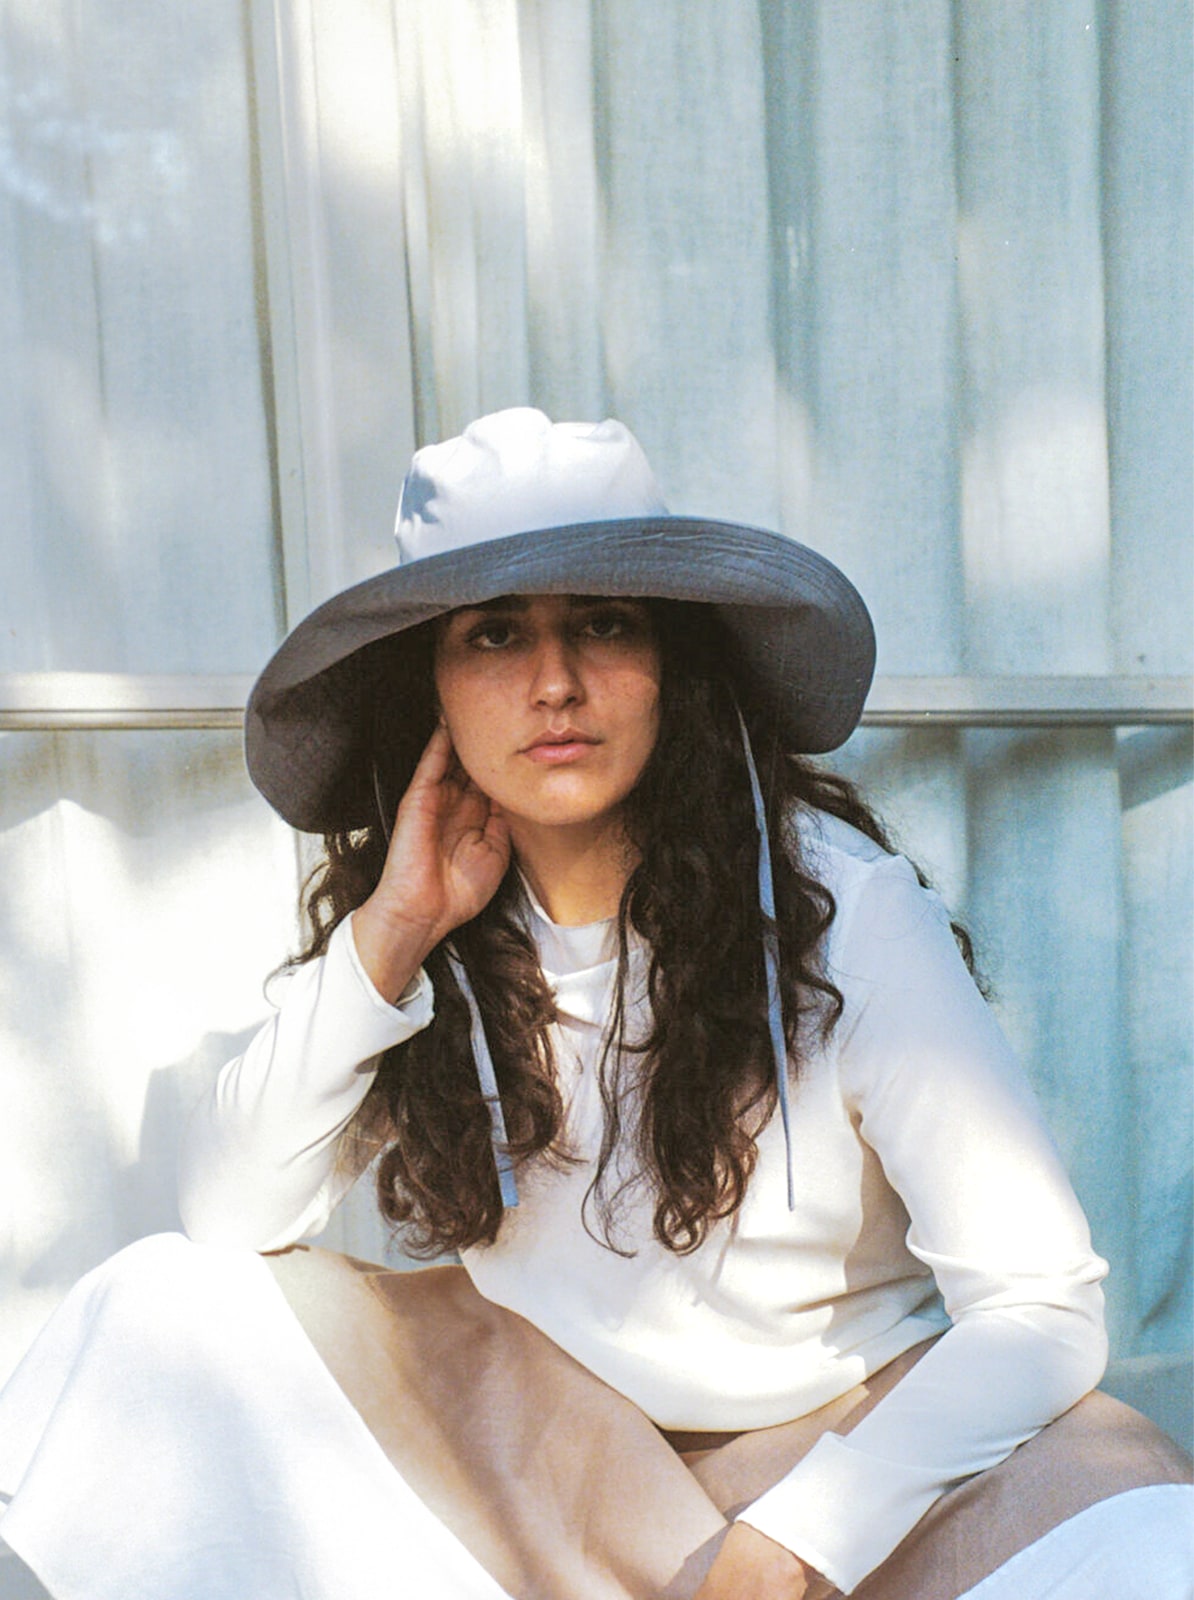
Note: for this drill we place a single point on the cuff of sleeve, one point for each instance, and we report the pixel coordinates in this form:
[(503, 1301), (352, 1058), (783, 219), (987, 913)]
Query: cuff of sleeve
[(843, 1511), (416, 1002)]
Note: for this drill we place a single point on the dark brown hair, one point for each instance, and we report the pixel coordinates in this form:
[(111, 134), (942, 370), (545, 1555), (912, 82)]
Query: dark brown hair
[(701, 1082)]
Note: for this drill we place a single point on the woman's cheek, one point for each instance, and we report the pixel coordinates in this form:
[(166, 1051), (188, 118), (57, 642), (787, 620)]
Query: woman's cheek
[(475, 754)]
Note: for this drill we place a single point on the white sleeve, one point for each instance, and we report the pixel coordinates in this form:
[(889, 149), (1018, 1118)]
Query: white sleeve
[(258, 1162), (938, 1096)]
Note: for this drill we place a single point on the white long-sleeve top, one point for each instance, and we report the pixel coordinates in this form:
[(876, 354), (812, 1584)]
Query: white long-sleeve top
[(930, 1197)]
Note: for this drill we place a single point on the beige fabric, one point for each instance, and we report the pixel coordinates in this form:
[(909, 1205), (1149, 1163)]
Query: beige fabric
[(562, 1489), (565, 1491)]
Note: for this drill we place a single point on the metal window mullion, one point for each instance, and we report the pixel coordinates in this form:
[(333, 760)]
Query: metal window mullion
[(65, 700), (1029, 702), (31, 701)]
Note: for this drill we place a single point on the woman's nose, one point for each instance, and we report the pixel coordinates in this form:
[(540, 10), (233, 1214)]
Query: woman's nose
[(556, 680)]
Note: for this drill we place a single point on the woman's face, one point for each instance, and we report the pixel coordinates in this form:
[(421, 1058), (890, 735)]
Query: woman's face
[(552, 702)]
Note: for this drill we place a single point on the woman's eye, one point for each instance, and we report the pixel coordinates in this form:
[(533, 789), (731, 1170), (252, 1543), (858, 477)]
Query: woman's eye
[(606, 625), (491, 635)]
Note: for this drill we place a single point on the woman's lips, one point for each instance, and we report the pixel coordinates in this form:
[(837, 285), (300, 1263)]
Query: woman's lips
[(557, 752)]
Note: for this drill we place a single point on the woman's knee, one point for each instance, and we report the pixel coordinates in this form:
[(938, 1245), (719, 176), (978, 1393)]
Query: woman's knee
[(1103, 1435), (163, 1270), (166, 1293)]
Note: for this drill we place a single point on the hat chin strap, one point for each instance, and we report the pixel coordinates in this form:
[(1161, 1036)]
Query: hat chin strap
[(775, 1013), (482, 1055), (487, 1078)]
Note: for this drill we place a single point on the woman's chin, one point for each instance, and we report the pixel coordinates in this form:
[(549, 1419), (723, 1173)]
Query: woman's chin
[(563, 813)]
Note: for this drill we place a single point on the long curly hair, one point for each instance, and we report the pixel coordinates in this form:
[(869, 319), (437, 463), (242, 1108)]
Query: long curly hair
[(688, 1100)]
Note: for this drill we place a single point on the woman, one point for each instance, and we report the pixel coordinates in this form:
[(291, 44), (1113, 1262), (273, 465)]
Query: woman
[(765, 1248)]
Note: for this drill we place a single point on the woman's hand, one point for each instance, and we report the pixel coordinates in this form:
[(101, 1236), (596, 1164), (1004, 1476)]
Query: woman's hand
[(448, 853), (750, 1566)]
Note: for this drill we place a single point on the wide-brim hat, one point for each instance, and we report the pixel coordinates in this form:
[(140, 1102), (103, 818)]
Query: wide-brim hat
[(519, 505)]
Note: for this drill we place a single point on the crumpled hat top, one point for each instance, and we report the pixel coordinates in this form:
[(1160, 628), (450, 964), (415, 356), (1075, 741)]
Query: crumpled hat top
[(520, 505)]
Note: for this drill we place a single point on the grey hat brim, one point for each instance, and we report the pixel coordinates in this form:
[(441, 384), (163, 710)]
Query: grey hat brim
[(802, 628)]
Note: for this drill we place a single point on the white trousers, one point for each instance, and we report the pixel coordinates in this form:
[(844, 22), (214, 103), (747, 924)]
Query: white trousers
[(172, 1435)]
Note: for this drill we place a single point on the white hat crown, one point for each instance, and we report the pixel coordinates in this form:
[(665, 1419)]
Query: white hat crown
[(515, 471)]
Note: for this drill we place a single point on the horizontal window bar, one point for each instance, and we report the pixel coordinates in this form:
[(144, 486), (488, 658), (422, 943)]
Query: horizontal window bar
[(66, 700), (1029, 702)]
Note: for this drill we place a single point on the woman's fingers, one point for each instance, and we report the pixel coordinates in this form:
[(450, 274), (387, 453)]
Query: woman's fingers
[(447, 855), (432, 796), (750, 1566), (434, 763), (449, 850), (497, 829), (473, 822)]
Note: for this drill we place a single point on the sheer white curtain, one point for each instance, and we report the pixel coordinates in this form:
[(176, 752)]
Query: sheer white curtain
[(910, 280), (145, 894)]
